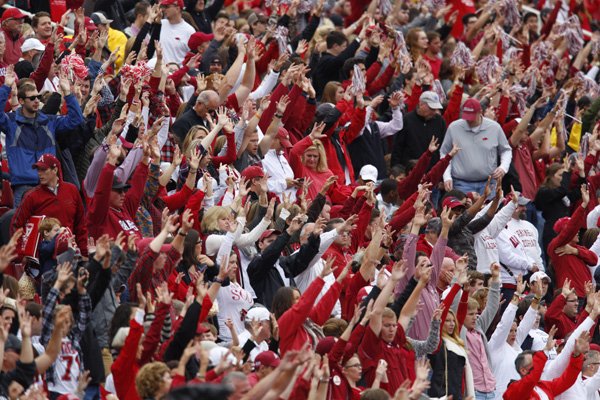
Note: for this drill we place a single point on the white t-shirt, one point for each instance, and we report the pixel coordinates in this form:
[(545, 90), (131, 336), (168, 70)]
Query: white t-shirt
[(66, 369), (232, 300), (174, 39)]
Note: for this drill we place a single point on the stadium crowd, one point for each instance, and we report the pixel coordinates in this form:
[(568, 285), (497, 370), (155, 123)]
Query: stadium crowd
[(300, 199)]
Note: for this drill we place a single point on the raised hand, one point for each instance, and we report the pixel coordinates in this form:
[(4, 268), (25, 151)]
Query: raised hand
[(317, 131)]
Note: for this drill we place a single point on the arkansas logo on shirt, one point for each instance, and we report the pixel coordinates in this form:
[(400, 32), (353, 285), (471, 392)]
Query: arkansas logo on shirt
[(484, 138)]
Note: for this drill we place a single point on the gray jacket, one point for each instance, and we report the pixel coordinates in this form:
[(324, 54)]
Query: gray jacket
[(485, 319), (105, 310)]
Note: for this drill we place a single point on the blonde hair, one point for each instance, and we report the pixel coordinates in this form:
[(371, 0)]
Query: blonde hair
[(47, 224), (210, 221), (150, 378), (318, 146), (190, 139), (412, 38), (455, 335)]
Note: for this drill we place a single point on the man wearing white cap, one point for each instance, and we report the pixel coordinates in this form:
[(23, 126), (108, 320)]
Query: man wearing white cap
[(419, 126), (518, 247), (31, 49), (257, 339)]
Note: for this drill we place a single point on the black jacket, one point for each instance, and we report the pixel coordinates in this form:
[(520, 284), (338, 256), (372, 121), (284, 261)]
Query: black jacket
[(329, 67), (183, 124), (413, 140), (202, 19), (265, 278)]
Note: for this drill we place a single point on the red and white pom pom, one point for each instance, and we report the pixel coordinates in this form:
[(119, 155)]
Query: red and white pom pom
[(520, 94), (571, 29), (137, 72), (385, 7), (590, 87), (439, 90), (74, 66), (281, 35), (540, 52), (434, 5), (530, 77), (462, 57), (488, 69), (547, 77), (510, 11), (305, 6), (359, 81)]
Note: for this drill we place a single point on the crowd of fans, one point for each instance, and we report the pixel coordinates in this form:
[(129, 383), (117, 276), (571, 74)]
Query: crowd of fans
[(300, 199)]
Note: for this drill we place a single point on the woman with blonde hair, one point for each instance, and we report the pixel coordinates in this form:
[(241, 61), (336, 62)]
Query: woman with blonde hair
[(332, 93), (450, 365), (417, 42), (309, 161), (153, 381)]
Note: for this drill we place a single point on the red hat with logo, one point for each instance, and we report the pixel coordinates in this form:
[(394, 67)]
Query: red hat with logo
[(198, 38), (172, 2), (470, 109), (46, 161), (284, 137), (452, 202), (89, 24), (268, 233), (266, 358), (253, 171), (12, 13)]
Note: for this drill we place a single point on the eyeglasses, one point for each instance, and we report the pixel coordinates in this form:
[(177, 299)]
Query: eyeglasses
[(357, 365), (33, 98)]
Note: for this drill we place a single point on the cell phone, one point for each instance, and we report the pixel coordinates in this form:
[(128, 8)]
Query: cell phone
[(301, 180)]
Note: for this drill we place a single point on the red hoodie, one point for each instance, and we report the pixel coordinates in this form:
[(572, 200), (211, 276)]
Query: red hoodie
[(105, 219)]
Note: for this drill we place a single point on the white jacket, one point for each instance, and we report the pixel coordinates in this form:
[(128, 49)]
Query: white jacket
[(519, 249), (583, 389), (485, 245)]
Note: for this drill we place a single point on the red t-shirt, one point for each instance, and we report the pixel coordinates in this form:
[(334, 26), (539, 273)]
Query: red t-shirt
[(523, 162)]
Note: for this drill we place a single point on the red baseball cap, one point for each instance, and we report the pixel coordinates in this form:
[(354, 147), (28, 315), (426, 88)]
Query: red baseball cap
[(89, 24), (198, 38), (12, 13), (266, 358), (452, 202), (253, 171), (46, 161), (202, 329), (268, 233), (170, 2), (470, 109), (284, 137)]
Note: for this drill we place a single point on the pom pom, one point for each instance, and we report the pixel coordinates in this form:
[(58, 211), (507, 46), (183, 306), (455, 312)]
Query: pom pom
[(404, 58), (530, 78), (385, 6), (281, 35), (540, 52), (433, 5), (488, 69), (520, 94), (74, 67), (306, 6), (510, 10), (461, 57), (590, 87), (439, 90), (571, 29), (137, 72), (359, 82)]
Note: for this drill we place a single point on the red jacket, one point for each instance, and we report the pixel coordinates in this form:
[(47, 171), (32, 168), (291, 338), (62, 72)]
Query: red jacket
[(12, 52), (573, 267), (125, 367), (66, 206), (555, 316), (292, 334), (102, 218), (524, 388)]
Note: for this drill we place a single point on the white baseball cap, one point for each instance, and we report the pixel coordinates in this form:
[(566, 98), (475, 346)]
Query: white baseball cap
[(32, 44), (539, 275), (258, 314), (368, 173)]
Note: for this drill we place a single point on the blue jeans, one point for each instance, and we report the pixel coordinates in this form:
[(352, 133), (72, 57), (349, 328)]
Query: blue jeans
[(484, 396), (466, 187), (18, 192)]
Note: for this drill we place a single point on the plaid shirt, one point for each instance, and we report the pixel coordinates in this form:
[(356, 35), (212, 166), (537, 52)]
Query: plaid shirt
[(144, 274), (85, 310), (166, 154), (143, 215)]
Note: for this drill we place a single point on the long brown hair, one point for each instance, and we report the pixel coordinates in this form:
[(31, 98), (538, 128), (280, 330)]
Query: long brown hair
[(550, 171)]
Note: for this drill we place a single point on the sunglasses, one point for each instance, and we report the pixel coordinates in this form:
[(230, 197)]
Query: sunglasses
[(33, 98)]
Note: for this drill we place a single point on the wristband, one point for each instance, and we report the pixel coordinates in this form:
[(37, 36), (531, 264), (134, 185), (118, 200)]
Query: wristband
[(181, 233), (218, 280)]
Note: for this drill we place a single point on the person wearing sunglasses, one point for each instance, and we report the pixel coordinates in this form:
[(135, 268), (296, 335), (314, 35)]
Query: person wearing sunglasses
[(32, 133)]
